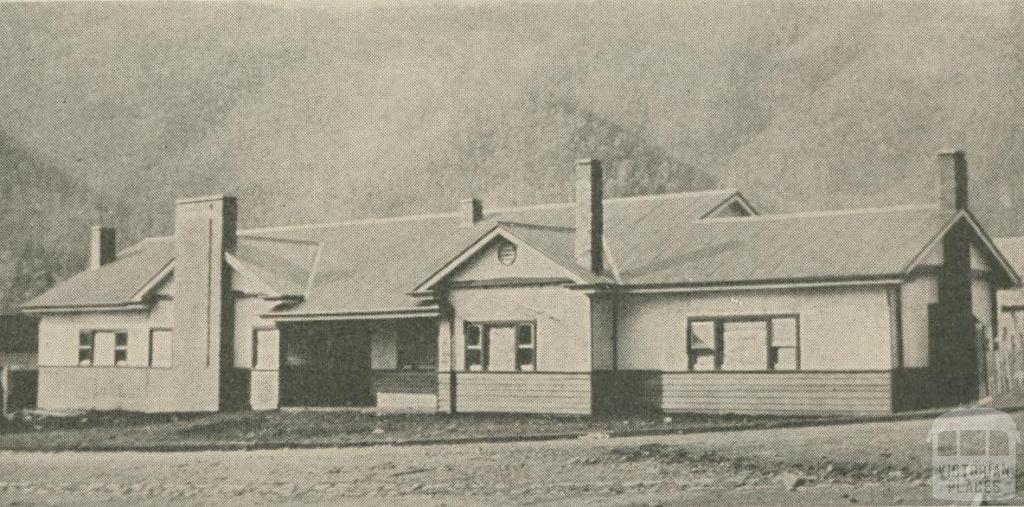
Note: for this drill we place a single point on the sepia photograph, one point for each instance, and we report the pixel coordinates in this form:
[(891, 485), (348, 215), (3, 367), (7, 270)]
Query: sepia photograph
[(511, 252)]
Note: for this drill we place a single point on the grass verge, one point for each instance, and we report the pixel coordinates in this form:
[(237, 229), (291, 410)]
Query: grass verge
[(107, 431)]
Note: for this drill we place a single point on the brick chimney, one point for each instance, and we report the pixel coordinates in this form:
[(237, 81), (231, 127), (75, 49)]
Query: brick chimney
[(204, 229), (589, 212), (471, 212), (952, 180), (102, 247)]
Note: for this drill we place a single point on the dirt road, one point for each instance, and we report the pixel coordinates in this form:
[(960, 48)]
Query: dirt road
[(878, 463)]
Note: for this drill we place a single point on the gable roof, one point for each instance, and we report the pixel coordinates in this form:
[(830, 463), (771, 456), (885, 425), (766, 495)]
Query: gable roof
[(363, 266), (556, 243), (829, 246), (371, 267), (113, 285)]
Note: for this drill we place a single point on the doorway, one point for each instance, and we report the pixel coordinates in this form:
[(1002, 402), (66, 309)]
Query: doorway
[(326, 365)]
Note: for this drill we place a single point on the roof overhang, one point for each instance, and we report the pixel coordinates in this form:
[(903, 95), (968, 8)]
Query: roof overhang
[(125, 307), (687, 288), (389, 314)]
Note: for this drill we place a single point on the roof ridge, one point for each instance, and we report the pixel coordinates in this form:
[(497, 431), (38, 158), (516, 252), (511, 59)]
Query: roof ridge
[(536, 226), (634, 198), (673, 195), (821, 213), (362, 221), (269, 239), (429, 216)]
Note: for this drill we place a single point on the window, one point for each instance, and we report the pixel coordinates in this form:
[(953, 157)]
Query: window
[(476, 359), (703, 345), (501, 347), (744, 343), (266, 345), (120, 349), (784, 354), (526, 348), (160, 348), (86, 347)]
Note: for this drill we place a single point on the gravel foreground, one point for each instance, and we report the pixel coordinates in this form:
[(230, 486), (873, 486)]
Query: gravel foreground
[(868, 464)]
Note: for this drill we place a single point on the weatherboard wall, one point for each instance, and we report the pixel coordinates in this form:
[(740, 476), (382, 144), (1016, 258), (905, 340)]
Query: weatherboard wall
[(841, 328), (561, 382)]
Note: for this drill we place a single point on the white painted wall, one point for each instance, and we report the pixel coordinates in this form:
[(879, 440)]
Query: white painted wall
[(64, 385), (917, 294), (562, 317), (981, 303), (841, 328), (248, 309), (250, 305)]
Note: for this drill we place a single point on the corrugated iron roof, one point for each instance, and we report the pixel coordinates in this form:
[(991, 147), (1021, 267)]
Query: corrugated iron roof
[(370, 266), (114, 284)]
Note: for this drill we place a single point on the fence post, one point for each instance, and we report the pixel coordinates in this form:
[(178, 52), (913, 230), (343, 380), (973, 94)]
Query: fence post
[(5, 389)]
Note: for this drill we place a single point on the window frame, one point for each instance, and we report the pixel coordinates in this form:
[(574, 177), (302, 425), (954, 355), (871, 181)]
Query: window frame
[(772, 348), (719, 323), (121, 348), (485, 343), (151, 341), (532, 347), (716, 350), (91, 347), (482, 346)]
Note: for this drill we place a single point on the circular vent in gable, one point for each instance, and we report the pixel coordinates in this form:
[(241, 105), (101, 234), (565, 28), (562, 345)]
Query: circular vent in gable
[(507, 253)]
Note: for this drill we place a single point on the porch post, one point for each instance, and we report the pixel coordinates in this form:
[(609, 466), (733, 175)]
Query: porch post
[(445, 367)]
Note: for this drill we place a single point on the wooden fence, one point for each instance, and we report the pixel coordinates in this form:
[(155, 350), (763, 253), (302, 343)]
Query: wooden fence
[(1003, 360)]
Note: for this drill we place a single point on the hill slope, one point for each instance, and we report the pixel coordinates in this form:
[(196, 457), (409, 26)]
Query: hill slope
[(323, 113)]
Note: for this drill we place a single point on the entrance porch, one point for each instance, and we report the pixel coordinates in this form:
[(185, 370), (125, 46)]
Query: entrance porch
[(389, 364)]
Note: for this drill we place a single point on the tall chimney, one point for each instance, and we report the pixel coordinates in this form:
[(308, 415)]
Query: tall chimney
[(102, 247), (952, 180), (471, 212), (204, 229), (589, 213)]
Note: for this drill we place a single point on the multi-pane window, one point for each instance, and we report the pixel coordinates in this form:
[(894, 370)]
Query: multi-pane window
[(501, 347), (476, 358), (102, 348), (160, 348), (86, 347), (526, 348), (784, 351), (744, 343), (120, 348), (703, 345)]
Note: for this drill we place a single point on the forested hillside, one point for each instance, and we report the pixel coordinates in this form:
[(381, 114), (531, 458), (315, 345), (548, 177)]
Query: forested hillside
[(311, 113)]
